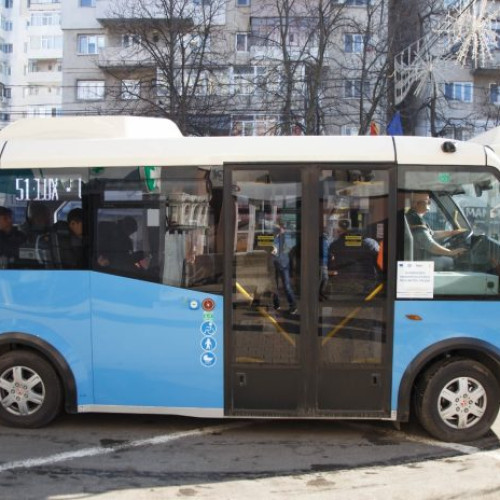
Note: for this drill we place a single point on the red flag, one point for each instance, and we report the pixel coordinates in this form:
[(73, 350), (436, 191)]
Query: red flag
[(373, 128)]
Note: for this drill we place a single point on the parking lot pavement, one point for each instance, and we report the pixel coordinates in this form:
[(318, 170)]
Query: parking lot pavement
[(130, 457)]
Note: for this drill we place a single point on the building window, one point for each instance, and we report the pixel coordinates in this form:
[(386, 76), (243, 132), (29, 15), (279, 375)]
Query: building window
[(8, 4), (455, 4), (495, 27), (494, 94), (45, 19), (7, 92), (354, 89), (130, 40), (90, 44), (245, 125), (6, 24), (90, 90), (242, 42), (38, 2), (352, 2), (45, 42), (242, 3), (458, 91), (42, 111), (130, 89), (353, 43), (87, 3), (349, 130), (248, 79)]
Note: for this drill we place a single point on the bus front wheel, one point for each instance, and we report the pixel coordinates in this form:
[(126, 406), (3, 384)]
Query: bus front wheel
[(457, 400), (30, 390)]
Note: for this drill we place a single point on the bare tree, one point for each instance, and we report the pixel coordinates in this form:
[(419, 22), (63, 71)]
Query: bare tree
[(310, 69), (169, 58), (364, 66)]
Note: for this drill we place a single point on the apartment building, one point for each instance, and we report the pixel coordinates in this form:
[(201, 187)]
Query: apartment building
[(241, 67), (31, 59)]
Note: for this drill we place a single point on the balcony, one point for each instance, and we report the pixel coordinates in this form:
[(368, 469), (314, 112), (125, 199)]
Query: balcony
[(275, 52), (44, 54), (490, 67), (109, 15), (124, 57), (44, 77)]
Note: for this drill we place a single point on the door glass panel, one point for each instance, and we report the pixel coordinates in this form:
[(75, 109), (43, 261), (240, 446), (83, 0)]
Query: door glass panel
[(266, 266), (353, 218)]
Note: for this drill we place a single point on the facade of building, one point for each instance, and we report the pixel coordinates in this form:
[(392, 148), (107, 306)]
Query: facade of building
[(245, 67), (31, 65)]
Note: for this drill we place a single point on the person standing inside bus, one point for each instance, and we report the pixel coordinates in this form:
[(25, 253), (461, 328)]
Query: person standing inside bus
[(10, 238), (283, 244), (424, 238)]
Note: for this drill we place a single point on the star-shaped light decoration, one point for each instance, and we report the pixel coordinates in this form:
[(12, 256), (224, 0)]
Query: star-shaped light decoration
[(470, 31)]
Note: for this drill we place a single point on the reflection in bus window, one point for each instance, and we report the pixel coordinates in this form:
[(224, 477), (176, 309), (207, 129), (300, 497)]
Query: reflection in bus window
[(163, 229), (353, 217)]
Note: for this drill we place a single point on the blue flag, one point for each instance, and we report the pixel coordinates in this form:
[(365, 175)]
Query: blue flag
[(395, 126)]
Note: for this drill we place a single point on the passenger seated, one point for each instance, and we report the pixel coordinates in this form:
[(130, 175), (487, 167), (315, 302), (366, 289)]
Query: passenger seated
[(352, 261), (10, 239), (36, 249), (115, 246), (68, 238)]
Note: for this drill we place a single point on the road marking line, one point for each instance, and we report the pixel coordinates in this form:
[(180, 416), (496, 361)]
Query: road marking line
[(406, 436), (106, 450), (462, 448)]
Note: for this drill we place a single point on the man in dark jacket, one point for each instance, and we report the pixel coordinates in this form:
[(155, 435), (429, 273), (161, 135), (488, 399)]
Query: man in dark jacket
[(10, 239)]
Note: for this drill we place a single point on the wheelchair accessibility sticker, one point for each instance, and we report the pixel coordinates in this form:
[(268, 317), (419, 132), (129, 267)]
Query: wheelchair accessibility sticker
[(208, 328)]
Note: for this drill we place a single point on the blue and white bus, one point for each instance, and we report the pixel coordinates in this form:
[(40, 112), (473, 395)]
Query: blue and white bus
[(147, 272)]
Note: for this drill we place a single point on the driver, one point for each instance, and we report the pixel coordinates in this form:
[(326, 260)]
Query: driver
[(424, 238)]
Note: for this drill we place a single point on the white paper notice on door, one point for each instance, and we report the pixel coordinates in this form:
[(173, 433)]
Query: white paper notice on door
[(415, 280)]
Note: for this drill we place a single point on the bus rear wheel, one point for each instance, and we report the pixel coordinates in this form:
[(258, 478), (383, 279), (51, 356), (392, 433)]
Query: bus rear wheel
[(457, 400), (30, 390)]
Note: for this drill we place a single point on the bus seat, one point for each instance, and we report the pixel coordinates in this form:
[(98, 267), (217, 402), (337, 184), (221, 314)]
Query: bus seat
[(205, 270), (60, 244), (253, 272), (408, 241)]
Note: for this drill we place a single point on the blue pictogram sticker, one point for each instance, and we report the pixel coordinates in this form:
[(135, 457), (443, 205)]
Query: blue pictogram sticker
[(208, 359), (208, 343), (208, 328), (194, 304)]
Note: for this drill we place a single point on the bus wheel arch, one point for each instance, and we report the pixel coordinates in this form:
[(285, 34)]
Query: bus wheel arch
[(479, 351), (27, 343)]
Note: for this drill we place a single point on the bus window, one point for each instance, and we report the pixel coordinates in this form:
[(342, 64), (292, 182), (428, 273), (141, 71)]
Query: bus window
[(34, 229), (449, 217), (161, 229)]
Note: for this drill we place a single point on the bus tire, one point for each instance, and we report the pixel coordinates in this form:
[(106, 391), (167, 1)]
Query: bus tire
[(457, 400), (30, 390)]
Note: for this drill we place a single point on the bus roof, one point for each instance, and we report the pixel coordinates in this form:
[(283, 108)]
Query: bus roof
[(106, 141)]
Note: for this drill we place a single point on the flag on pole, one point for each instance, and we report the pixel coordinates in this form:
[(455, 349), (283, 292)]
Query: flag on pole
[(373, 128), (395, 126)]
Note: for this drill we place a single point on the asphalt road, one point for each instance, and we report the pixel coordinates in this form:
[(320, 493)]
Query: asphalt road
[(144, 457)]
